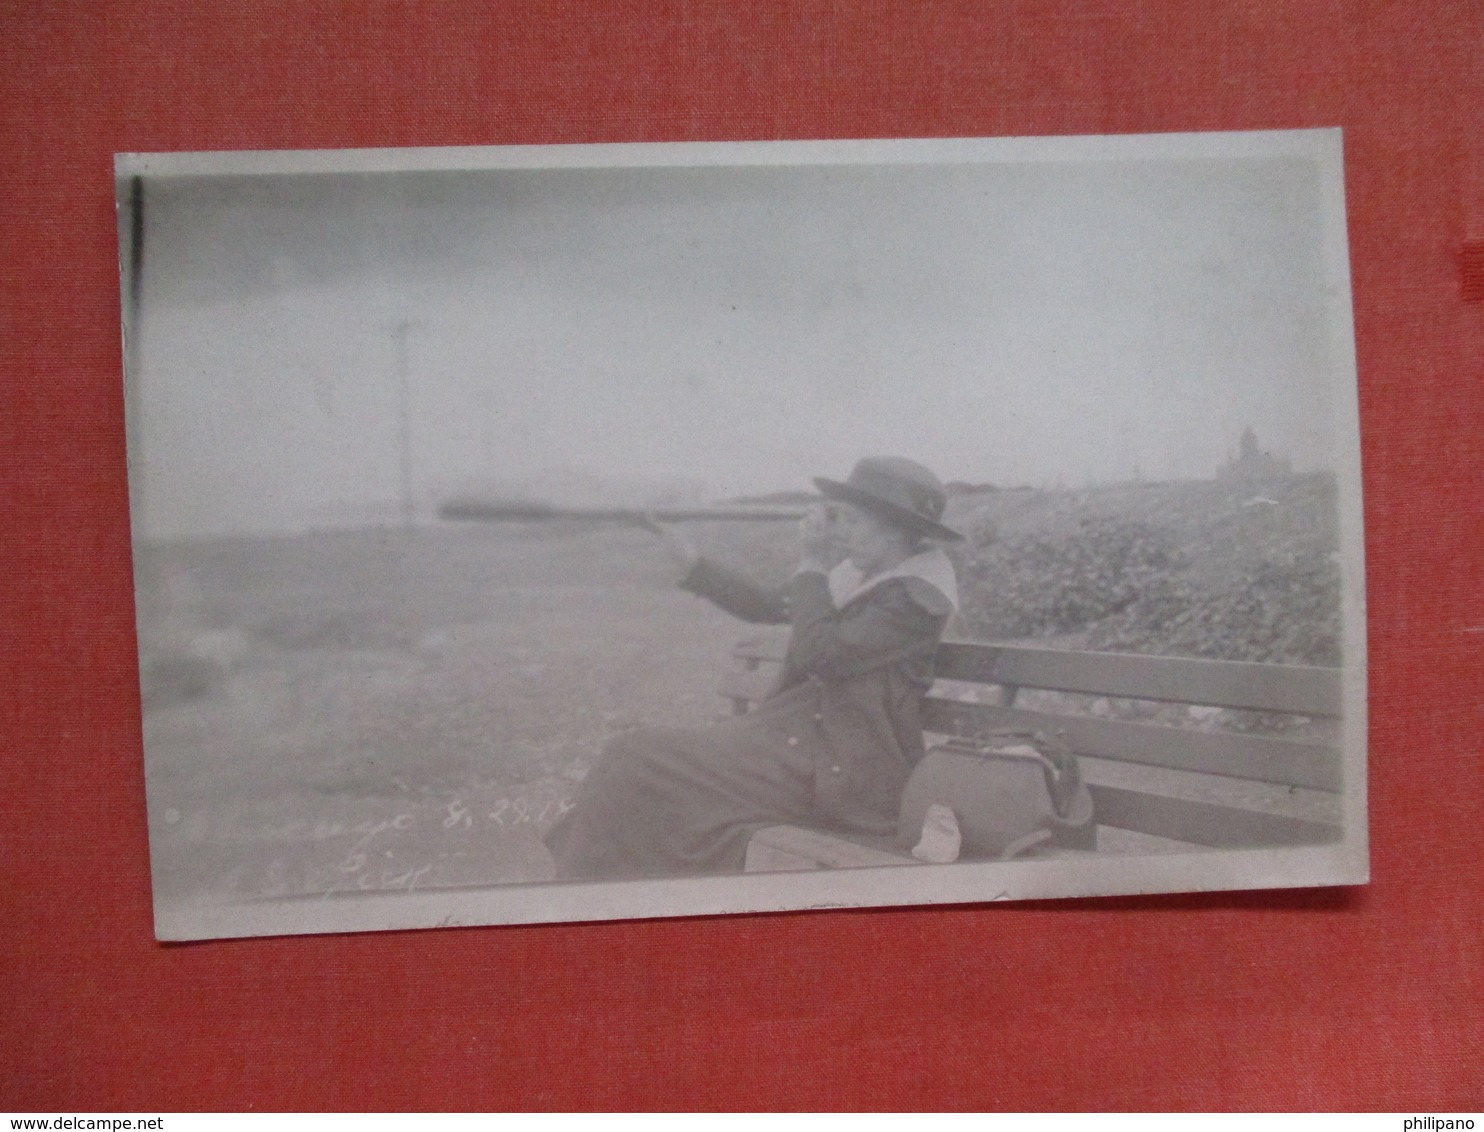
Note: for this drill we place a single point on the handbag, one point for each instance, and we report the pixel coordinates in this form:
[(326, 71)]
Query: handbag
[(1009, 790)]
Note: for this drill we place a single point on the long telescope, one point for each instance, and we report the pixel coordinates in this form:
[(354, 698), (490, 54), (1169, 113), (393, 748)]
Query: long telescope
[(494, 511)]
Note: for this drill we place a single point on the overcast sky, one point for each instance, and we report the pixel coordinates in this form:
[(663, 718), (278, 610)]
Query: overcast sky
[(721, 331)]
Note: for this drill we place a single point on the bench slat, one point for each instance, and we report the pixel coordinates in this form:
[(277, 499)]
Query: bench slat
[(1285, 762), (787, 847), (1298, 689), (1294, 688), (1204, 823)]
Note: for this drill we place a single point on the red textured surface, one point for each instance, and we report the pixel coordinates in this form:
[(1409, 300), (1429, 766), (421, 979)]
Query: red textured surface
[(1366, 998), (1471, 271)]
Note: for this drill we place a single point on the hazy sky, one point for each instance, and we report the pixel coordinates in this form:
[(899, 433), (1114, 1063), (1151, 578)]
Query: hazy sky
[(739, 329)]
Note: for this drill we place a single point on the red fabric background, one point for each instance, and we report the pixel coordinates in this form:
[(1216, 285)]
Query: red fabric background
[(1364, 998)]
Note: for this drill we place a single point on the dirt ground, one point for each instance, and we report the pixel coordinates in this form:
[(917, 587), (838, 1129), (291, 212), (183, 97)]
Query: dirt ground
[(391, 709)]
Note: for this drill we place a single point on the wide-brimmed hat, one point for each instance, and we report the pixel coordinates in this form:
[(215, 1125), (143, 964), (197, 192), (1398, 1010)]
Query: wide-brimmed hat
[(900, 491)]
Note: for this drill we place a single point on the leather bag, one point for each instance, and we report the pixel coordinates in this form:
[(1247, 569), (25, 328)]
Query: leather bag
[(1010, 791)]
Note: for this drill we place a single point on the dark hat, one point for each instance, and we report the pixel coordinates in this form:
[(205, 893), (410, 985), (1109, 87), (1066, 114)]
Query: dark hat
[(901, 491)]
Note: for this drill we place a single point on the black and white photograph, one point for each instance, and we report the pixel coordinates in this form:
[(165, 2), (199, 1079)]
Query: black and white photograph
[(531, 534)]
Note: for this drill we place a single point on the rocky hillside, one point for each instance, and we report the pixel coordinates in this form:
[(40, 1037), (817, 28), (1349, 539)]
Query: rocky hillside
[(1230, 570)]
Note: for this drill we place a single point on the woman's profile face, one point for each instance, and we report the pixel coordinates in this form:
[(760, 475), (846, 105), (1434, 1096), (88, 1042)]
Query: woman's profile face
[(870, 543)]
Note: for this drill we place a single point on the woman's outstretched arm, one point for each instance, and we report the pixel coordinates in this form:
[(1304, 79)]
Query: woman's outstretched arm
[(737, 595)]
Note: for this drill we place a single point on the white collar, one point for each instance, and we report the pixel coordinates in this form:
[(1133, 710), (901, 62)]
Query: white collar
[(931, 566)]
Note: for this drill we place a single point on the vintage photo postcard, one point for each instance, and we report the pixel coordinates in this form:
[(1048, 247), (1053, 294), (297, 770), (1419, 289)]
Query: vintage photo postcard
[(586, 532)]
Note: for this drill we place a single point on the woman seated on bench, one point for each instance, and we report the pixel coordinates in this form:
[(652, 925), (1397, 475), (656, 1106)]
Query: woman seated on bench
[(834, 742)]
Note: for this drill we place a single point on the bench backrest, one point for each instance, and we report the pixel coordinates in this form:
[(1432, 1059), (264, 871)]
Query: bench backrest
[(1162, 772)]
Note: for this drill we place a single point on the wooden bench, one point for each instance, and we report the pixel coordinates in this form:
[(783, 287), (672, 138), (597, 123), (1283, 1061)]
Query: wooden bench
[(1164, 769)]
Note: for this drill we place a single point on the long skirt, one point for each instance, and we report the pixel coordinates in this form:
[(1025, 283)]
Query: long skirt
[(677, 801)]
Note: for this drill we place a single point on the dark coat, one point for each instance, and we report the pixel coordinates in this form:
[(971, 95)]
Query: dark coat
[(832, 745), (863, 669)]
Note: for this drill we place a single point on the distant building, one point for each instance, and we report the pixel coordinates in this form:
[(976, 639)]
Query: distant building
[(1252, 462)]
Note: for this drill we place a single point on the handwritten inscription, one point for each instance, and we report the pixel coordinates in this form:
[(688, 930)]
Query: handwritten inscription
[(355, 860), (404, 880), (419, 847), (519, 810), (458, 814)]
